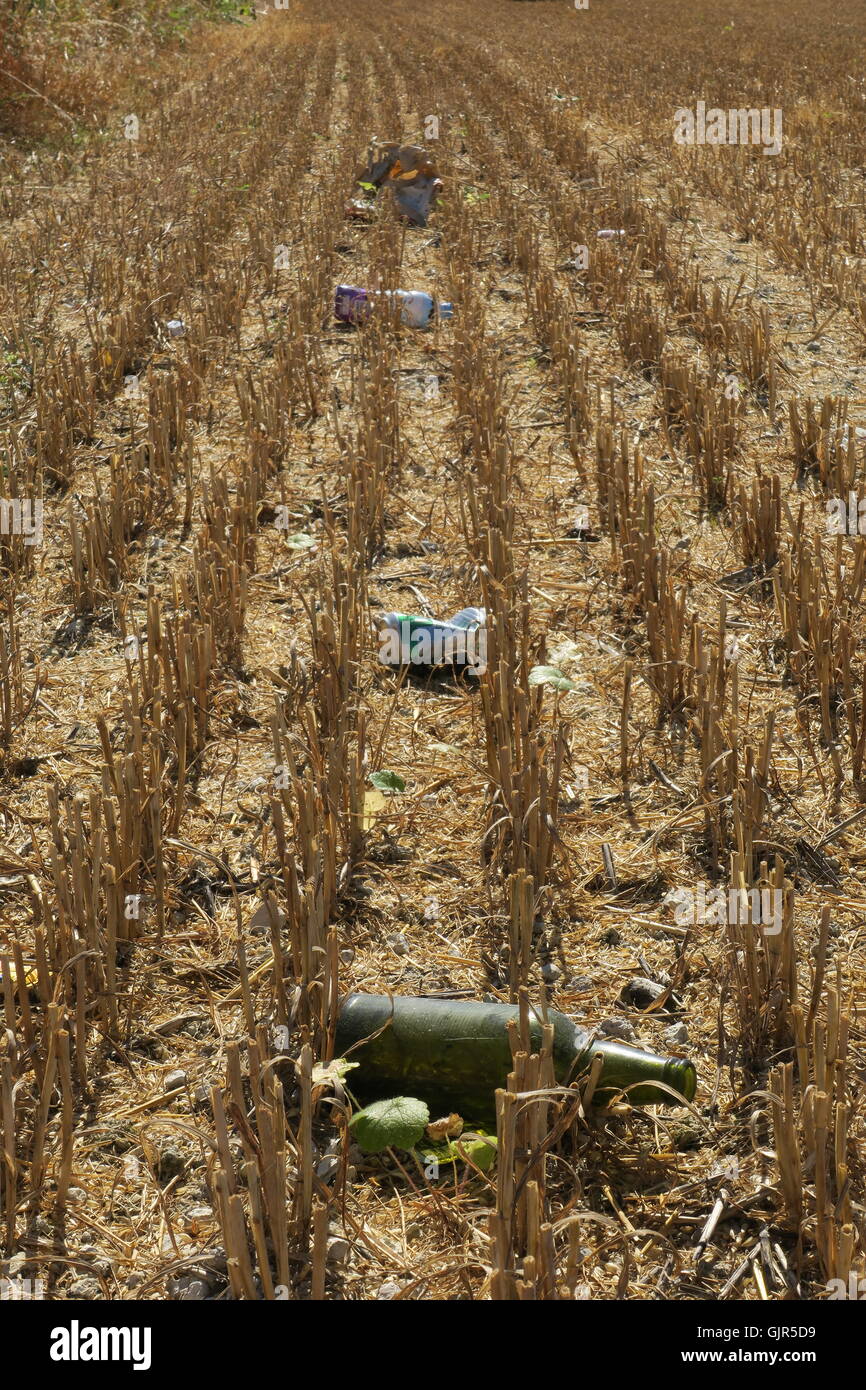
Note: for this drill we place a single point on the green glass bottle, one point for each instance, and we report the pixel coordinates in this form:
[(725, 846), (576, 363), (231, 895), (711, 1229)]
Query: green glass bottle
[(454, 1054)]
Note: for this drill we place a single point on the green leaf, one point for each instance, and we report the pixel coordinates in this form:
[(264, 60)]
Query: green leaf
[(300, 541), (549, 675), (337, 1070), (479, 1148), (370, 187), (387, 781), (390, 1124)]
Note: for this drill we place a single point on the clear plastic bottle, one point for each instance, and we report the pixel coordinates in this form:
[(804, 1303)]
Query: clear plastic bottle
[(352, 304)]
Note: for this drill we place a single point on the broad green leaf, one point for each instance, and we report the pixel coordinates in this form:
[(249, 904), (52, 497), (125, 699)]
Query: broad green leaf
[(549, 675), (390, 1124), (387, 781)]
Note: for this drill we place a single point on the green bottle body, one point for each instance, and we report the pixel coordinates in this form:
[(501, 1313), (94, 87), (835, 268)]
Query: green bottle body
[(454, 1054)]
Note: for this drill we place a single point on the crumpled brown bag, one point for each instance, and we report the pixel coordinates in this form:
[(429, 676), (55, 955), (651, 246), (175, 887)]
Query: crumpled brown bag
[(411, 174)]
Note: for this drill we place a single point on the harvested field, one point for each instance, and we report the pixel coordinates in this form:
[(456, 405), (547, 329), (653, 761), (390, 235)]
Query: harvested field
[(639, 445)]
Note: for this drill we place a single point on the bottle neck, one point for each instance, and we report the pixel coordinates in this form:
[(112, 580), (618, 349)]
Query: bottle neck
[(643, 1076), (640, 1075)]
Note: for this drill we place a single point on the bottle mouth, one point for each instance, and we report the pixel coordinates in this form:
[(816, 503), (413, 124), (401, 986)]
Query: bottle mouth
[(446, 310), (681, 1076)]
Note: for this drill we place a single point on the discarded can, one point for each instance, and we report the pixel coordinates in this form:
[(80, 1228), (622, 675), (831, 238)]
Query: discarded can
[(407, 640), (417, 309), (455, 1054)]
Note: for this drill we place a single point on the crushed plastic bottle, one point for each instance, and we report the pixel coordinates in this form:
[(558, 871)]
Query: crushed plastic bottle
[(352, 304), (610, 233), (408, 640), (176, 328), (409, 171)]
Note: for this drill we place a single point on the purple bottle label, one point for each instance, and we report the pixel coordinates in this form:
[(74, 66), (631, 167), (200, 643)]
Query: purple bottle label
[(351, 303)]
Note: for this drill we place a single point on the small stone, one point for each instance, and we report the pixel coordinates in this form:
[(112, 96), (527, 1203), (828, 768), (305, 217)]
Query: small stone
[(813, 347), (327, 1167), (16, 1265), (99, 1263), (398, 943), (76, 1194), (134, 1281), (347, 955), (641, 992), (171, 1164), (175, 1080), (550, 972), (611, 937), (338, 1250), (86, 1289), (617, 1028), (580, 984), (201, 1213), (388, 1290), (687, 1138), (677, 1035)]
